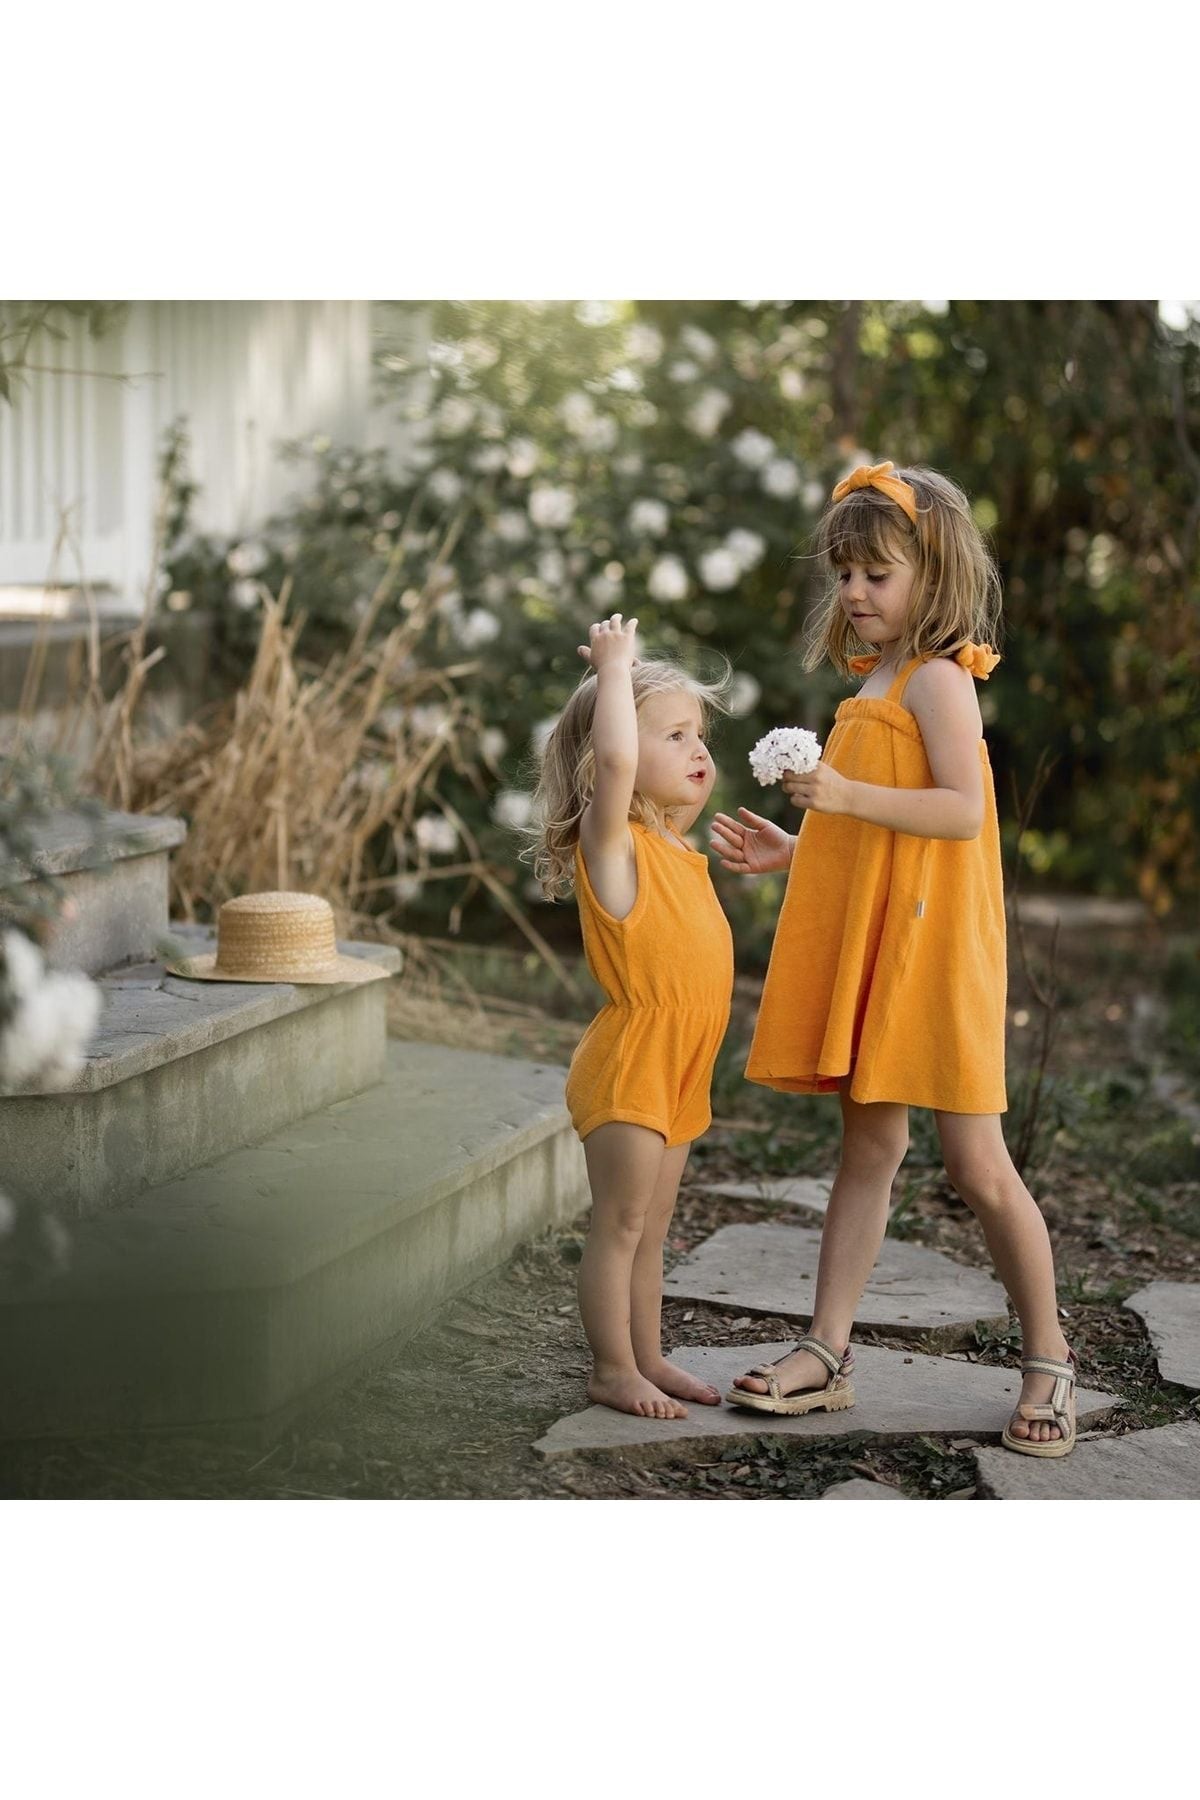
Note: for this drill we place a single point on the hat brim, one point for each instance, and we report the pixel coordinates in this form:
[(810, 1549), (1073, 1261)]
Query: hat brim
[(345, 970)]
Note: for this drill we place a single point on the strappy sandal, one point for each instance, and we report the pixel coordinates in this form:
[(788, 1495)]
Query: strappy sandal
[(1060, 1410), (835, 1396)]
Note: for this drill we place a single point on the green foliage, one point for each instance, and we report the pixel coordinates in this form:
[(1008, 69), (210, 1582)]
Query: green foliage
[(24, 323), (1182, 985)]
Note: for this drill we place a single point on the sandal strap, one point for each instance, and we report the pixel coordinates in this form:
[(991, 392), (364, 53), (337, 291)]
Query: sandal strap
[(837, 1365), (1048, 1365), (822, 1352), (766, 1372)]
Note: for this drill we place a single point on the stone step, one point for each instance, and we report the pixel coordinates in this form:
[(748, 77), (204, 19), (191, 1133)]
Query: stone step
[(1170, 1311), (182, 1072), (116, 883), (246, 1289), (912, 1292), (808, 1192), (1160, 1464), (897, 1396)]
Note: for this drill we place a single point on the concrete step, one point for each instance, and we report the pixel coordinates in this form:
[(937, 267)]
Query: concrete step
[(114, 872), (243, 1290), (182, 1072)]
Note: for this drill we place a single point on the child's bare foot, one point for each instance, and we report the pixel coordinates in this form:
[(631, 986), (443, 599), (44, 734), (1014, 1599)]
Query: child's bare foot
[(675, 1381), (633, 1394)]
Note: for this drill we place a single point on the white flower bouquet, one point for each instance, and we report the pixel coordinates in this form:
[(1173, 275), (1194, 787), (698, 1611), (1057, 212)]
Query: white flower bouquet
[(785, 750)]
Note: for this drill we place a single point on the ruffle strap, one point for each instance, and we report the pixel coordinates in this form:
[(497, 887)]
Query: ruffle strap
[(978, 659)]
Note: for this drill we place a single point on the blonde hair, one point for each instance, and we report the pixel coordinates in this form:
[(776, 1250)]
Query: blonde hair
[(567, 776), (956, 593)]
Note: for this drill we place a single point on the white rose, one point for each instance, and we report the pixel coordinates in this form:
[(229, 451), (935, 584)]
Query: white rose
[(649, 518), (744, 694), (752, 448), (781, 478), (577, 412), (48, 1034), (813, 496), (551, 508), (603, 592), (668, 579), (446, 486), (699, 343), (512, 526), (479, 627), (683, 370), (552, 567), (747, 546), (436, 834), (493, 743), (705, 414), (719, 570), (455, 415), (513, 808), (643, 343), (522, 458), (539, 734), (244, 595), (489, 459), (432, 721), (247, 559)]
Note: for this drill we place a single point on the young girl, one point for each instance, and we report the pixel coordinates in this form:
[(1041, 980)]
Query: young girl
[(887, 977), (625, 772)]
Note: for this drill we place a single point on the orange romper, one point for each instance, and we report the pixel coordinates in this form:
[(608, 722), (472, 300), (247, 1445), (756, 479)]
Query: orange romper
[(667, 971), (889, 958)]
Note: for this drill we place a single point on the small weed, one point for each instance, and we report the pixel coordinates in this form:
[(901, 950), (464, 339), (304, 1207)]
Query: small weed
[(993, 1340), (902, 1223)]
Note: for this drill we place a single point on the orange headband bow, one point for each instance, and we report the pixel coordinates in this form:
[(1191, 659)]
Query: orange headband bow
[(879, 475)]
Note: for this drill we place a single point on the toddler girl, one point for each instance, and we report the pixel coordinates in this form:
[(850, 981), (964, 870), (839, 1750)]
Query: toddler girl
[(624, 773), (887, 978)]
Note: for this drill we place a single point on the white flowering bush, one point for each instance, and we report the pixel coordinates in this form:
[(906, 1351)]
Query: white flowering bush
[(579, 460)]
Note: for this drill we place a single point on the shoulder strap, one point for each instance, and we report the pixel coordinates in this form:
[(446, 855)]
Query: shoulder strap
[(901, 680)]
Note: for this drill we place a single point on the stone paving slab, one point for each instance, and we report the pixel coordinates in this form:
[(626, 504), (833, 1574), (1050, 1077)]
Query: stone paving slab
[(862, 1489), (773, 1269), (1163, 1464), (898, 1396), (809, 1192), (1170, 1311)]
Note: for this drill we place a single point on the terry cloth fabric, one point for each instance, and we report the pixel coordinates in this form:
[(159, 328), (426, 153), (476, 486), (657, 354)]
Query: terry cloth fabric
[(890, 956), (667, 972)]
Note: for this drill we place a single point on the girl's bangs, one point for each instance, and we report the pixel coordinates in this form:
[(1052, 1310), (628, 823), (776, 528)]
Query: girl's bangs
[(858, 532)]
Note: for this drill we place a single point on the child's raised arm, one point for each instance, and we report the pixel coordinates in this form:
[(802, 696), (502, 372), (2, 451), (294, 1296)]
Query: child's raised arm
[(614, 729)]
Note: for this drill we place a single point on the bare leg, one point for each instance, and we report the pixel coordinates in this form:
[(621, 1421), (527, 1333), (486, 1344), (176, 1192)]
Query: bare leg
[(624, 1162), (980, 1168), (874, 1142), (646, 1326)]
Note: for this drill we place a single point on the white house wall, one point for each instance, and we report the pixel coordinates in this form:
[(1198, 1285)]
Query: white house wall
[(79, 451)]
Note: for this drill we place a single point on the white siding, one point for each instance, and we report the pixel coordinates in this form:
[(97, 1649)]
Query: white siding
[(79, 452)]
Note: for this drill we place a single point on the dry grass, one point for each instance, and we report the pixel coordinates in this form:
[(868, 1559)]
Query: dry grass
[(312, 778)]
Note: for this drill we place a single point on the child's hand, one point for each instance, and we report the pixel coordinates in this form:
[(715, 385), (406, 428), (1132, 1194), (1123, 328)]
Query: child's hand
[(821, 790), (612, 644), (754, 848)]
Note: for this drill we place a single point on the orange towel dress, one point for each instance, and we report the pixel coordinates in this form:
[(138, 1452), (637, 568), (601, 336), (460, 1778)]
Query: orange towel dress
[(667, 972), (889, 962)]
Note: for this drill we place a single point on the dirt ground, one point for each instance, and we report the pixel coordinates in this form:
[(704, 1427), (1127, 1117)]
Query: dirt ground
[(452, 1413)]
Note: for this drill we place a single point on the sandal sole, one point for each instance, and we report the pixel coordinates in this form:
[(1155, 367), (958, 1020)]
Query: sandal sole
[(1022, 1447), (792, 1404)]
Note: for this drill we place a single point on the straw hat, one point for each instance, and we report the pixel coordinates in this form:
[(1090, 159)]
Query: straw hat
[(276, 937)]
